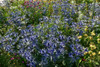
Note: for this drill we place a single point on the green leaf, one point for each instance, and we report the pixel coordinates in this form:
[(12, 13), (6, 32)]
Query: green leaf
[(80, 61), (96, 63)]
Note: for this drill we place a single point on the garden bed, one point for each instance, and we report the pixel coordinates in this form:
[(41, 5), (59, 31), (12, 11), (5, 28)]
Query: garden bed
[(61, 33)]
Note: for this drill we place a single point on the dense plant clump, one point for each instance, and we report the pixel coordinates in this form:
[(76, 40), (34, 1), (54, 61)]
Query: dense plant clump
[(54, 33)]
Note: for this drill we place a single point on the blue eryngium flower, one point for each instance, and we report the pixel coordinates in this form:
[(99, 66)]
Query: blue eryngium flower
[(71, 55), (76, 51), (80, 32)]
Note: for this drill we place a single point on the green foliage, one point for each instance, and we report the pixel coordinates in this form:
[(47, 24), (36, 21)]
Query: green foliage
[(7, 61), (3, 20)]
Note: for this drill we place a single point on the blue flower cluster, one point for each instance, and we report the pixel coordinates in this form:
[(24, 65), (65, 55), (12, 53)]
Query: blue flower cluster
[(77, 51), (16, 19), (41, 44), (55, 38)]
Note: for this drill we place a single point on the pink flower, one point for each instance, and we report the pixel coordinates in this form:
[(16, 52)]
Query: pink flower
[(25, 1), (39, 7), (32, 1), (22, 61), (38, 3), (15, 54), (12, 58), (27, 6), (83, 59), (34, 6), (31, 5)]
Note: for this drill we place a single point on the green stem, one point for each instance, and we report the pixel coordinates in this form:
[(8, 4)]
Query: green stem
[(93, 8)]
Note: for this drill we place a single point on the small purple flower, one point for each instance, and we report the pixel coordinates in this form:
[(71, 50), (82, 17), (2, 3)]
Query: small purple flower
[(12, 58), (22, 61)]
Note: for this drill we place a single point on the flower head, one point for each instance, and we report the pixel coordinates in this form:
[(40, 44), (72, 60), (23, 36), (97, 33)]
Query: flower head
[(12, 58), (93, 33), (85, 35), (93, 53), (79, 37), (92, 46), (83, 59), (98, 40), (99, 52)]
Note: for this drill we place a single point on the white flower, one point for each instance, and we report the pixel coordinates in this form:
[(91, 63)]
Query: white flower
[(3, 2)]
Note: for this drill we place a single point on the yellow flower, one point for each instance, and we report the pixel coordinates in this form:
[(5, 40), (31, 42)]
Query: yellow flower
[(99, 52), (92, 46), (90, 37), (79, 37), (8, 54), (85, 53), (93, 53), (98, 40), (92, 43), (90, 52), (85, 35), (36, 11), (92, 33), (21, 19), (85, 29)]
